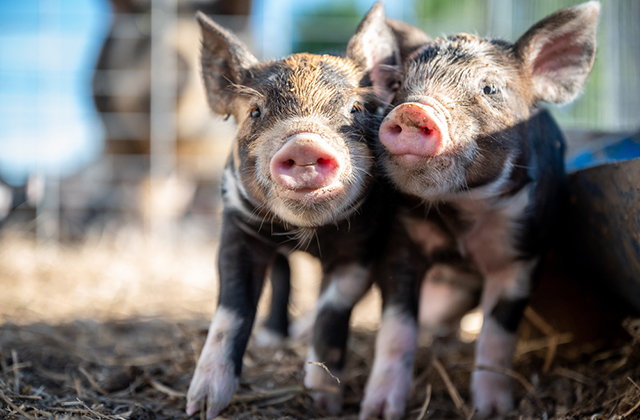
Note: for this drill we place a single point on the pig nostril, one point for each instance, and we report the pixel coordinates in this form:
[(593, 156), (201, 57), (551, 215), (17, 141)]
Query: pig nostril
[(395, 129), (328, 165), (287, 164), (427, 131)]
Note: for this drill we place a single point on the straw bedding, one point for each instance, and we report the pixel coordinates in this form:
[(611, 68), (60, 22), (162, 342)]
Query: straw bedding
[(112, 331)]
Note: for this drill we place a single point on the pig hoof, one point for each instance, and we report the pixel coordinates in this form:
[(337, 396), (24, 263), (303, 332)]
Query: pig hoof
[(265, 337), (380, 411), (317, 378), (331, 402), (211, 388), (386, 395), (492, 393)]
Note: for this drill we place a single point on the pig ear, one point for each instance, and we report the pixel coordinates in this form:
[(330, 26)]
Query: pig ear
[(373, 48), (409, 38), (559, 51), (225, 60)]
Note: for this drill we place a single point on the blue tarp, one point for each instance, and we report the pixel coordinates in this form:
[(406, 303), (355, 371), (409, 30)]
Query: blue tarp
[(612, 150)]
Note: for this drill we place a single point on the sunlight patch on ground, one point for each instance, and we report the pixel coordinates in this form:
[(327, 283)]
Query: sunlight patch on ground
[(470, 326), (103, 279)]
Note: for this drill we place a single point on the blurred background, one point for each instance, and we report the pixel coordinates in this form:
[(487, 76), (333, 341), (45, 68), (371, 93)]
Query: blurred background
[(103, 122), (106, 139)]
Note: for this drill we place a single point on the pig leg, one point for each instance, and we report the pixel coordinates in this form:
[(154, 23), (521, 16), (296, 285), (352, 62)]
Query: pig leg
[(242, 264), (504, 299), (345, 286), (276, 327), (389, 384), (447, 293)]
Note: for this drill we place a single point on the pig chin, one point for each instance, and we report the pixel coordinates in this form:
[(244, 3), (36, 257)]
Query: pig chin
[(314, 207), (428, 178)]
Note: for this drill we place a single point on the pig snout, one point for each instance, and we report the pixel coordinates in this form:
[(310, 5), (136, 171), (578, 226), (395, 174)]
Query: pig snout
[(306, 162), (414, 131)]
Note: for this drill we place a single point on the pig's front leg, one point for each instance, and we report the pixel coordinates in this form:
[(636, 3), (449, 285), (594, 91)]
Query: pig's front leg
[(346, 284), (242, 263), (504, 299), (389, 384)]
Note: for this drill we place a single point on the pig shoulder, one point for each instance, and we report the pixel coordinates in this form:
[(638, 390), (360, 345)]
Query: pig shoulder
[(548, 195), (520, 208)]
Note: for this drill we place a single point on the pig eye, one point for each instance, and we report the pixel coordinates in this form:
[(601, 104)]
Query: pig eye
[(490, 90), (356, 108), (254, 112)]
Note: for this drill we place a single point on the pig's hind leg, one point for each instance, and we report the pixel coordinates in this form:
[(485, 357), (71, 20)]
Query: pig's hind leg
[(276, 327), (446, 295), (345, 285)]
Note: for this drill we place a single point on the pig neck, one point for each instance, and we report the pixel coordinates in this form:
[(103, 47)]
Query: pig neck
[(483, 222), (497, 196)]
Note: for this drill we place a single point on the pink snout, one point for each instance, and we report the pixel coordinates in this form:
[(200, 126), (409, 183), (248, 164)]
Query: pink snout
[(305, 162), (414, 131)]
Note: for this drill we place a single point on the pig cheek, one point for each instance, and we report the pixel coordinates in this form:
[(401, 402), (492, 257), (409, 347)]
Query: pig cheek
[(253, 180), (261, 153), (358, 166)]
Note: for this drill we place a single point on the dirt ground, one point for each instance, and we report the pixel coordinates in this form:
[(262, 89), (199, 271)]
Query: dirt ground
[(112, 330)]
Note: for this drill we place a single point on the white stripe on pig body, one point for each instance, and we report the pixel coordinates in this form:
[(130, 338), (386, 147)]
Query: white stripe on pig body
[(425, 233)]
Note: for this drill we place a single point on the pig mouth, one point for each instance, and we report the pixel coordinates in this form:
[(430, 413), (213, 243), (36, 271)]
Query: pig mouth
[(310, 195), (312, 207), (415, 161)]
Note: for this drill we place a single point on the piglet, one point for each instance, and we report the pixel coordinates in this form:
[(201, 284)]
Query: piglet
[(299, 176), (480, 164)]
